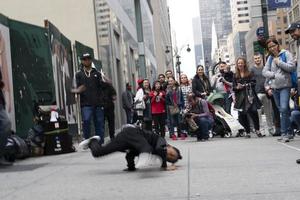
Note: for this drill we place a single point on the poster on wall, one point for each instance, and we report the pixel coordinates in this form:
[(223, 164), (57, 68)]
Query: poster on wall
[(6, 71), (32, 73), (61, 53)]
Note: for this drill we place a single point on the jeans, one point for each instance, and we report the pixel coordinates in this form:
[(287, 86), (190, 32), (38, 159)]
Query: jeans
[(295, 118), (129, 116), (267, 107), (97, 113), (227, 102), (204, 124), (282, 97), (174, 122), (5, 128)]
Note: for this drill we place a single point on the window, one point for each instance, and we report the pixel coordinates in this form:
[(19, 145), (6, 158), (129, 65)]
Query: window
[(243, 21), (243, 15), (244, 8)]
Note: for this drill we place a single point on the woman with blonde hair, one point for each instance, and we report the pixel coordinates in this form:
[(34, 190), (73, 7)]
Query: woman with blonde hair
[(246, 100)]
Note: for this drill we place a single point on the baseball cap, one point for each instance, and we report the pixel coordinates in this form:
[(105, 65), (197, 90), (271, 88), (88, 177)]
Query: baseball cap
[(86, 55), (291, 27)]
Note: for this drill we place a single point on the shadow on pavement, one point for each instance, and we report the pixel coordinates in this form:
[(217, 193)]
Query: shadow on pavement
[(21, 167)]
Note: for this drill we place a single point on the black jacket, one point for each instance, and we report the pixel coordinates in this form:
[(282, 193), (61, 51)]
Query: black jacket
[(246, 97), (198, 86), (127, 100), (93, 95), (158, 143), (108, 93)]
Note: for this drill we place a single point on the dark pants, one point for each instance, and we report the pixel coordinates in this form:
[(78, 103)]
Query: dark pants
[(159, 123), (109, 115), (276, 115), (5, 128), (204, 124), (243, 119), (227, 102), (128, 139), (129, 115)]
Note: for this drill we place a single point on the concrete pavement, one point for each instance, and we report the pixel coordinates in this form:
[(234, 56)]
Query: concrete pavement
[(221, 169)]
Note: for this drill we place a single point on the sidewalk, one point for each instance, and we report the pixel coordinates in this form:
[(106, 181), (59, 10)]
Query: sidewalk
[(233, 168)]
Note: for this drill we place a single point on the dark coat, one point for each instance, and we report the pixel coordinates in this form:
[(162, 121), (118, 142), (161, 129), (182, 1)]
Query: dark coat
[(198, 86), (246, 97)]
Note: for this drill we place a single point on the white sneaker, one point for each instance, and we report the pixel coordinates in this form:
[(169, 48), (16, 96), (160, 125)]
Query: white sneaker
[(144, 160), (85, 143)]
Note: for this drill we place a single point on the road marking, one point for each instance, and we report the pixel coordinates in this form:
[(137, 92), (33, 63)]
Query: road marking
[(289, 146)]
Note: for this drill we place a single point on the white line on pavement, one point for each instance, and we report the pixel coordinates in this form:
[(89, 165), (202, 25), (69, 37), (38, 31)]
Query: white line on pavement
[(289, 146)]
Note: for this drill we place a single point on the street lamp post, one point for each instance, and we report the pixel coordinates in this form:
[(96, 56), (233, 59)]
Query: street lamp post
[(178, 63), (177, 55)]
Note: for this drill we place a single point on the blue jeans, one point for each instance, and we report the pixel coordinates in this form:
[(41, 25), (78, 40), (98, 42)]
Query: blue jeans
[(295, 118), (97, 113), (282, 97), (174, 122), (204, 124), (129, 115), (5, 128)]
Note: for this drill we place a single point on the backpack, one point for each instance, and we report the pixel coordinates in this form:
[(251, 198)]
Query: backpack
[(293, 74)]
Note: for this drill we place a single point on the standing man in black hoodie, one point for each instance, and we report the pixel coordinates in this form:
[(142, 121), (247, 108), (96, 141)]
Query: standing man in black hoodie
[(90, 87), (110, 96)]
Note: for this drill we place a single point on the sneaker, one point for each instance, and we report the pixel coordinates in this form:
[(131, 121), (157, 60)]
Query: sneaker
[(247, 135), (173, 137), (182, 136), (143, 160), (258, 133), (281, 138), (4, 162), (130, 169), (298, 161), (85, 143), (286, 138)]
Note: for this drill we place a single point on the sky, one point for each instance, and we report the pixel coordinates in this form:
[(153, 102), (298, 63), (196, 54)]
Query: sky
[(181, 15)]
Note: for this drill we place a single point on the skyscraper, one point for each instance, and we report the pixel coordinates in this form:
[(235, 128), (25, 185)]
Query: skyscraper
[(219, 12)]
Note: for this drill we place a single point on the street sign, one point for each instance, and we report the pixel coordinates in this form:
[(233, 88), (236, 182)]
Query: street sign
[(274, 4), (258, 48)]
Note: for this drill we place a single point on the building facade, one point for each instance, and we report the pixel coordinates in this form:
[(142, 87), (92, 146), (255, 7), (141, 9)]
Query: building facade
[(216, 11), (162, 35)]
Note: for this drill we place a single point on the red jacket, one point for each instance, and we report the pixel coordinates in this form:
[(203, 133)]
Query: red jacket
[(158, 103)]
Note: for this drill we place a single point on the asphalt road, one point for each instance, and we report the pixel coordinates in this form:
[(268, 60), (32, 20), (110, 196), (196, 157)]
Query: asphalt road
[(221, 169)]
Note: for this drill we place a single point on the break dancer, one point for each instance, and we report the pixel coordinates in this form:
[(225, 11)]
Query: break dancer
[(150, 148)]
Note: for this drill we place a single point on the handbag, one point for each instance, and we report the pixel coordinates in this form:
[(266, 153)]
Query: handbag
[(139, 105), (192, 124), (174, 110)]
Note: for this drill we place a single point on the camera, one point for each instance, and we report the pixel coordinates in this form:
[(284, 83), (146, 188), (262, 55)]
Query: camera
[(188, 115)]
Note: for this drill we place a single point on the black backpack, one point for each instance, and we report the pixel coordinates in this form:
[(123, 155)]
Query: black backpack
[(20, 147)]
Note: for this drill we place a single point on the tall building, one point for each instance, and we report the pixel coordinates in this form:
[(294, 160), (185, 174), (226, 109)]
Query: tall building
[(277, 23), (162, 35), (219, 12), (240, 23), (75, 26), (126, 43), (198, 43)]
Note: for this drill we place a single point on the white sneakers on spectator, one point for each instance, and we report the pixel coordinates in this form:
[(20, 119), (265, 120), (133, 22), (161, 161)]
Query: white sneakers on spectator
[(85, 143)]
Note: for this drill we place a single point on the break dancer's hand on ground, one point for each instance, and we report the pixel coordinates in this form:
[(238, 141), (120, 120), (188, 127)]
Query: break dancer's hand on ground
[(171, 167)]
